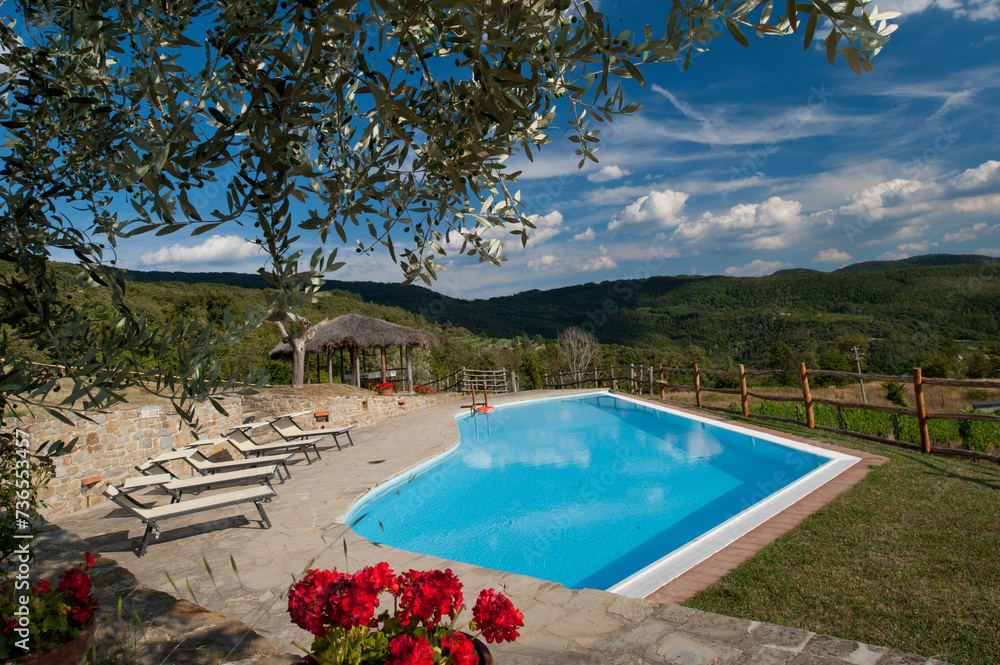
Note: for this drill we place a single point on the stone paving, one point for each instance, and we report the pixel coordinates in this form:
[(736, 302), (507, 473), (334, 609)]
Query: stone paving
[(561, 625)]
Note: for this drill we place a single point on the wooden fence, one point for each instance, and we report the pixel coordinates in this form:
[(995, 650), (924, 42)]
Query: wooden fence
[(462, 380), (641, 380)]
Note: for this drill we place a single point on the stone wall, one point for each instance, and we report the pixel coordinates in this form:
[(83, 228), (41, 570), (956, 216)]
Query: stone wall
[(112, 443)]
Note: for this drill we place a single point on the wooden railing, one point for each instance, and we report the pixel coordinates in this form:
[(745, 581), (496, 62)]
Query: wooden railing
[(492, 380), (463, 380), (640, 380)]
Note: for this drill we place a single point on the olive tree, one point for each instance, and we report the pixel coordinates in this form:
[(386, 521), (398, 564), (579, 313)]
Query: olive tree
[(378, 126)]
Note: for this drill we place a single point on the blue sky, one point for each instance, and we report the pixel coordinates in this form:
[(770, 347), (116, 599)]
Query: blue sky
[(752, 161)]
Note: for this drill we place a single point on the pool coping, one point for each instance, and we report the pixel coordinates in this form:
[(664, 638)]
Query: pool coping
[(674, 566), (716, 566)]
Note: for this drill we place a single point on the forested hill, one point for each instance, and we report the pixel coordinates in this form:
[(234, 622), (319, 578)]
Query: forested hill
[(909, 306)]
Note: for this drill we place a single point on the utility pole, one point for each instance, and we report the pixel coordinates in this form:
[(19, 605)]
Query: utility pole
[(857, 359)]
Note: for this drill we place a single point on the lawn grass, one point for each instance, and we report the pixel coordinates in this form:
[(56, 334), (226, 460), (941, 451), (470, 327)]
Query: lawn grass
[(908, 558)]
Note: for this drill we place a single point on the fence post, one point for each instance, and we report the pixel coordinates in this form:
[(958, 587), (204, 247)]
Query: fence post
[(895, 426), (663, 391), (650, 381), (462, 389), (918, 390), (697, 386), (513, 381), (595, 379), (631, 379), (840, 414), (807, 399), (743, 392)]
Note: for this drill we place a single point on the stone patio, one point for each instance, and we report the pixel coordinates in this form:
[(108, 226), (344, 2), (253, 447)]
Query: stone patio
[(561, 625)]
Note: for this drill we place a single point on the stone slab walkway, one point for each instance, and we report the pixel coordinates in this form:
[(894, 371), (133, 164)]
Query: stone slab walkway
[(251, 569)]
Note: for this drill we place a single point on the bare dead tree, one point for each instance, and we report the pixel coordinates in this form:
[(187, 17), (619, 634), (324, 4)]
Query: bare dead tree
[(579, 348), (298, 343)]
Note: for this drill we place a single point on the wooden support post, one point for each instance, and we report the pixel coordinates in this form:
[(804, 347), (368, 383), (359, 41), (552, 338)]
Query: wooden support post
[(355, 368), (595, 379), (631, 379), (918, 390), (383, 365), (409, 370), (744, 398), (663, 391), (697, 386), (329, 366), (840, 414), (807, 399), (651, 381), (895, 427)]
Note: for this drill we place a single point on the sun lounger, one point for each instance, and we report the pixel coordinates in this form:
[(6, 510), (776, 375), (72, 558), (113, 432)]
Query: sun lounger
[(248, 446), (152, 516), (289, 431), (157, 465), (177, 486)]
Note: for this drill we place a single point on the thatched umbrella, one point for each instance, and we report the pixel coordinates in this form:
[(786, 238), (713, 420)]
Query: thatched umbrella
[(355, 332)]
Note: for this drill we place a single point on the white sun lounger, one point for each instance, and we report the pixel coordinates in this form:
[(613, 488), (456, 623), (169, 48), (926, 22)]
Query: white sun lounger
[(157, 465), (289, 431), (248, 446), (177, 486), (152, 516)]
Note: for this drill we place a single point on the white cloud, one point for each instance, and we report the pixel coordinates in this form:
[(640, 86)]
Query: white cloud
[(589, 234), (831, 256), (546, 227), (609, 172), (756, 268), (916, 246), (978, 10), (767, 225), (893, 256), (216, 249), (601, 262), (872, 202), (545, 261), (985, 173), (986, 203), (964, 234), (995, 251), (656, 209), (953, 101)]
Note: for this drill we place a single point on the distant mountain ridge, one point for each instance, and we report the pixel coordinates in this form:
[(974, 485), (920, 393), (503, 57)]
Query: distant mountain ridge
[(914, 301)]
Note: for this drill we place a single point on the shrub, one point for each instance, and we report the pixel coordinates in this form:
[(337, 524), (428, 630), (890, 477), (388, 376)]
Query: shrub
[(895, 392)]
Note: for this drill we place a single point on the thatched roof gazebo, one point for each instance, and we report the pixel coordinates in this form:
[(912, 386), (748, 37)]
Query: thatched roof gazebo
[(357, 333)]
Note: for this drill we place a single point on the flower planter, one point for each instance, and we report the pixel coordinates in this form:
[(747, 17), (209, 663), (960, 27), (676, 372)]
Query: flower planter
[(385, 393), (70, 653)]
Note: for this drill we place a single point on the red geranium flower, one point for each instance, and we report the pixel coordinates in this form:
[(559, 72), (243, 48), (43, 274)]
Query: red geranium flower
[(378, 578), (42, 586), (460, 649), (408, 650), (497, 617), (90, 561), (428, 596)]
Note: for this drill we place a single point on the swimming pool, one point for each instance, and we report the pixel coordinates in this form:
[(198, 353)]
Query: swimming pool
[(593, 490)]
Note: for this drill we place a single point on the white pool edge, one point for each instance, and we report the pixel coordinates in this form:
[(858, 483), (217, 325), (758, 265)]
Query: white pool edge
[(676, 563)]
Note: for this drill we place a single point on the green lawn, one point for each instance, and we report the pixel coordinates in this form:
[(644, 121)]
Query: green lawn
[(909, 558)]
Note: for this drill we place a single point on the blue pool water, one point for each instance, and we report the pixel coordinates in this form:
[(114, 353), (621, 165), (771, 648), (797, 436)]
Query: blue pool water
[(582, 491)]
